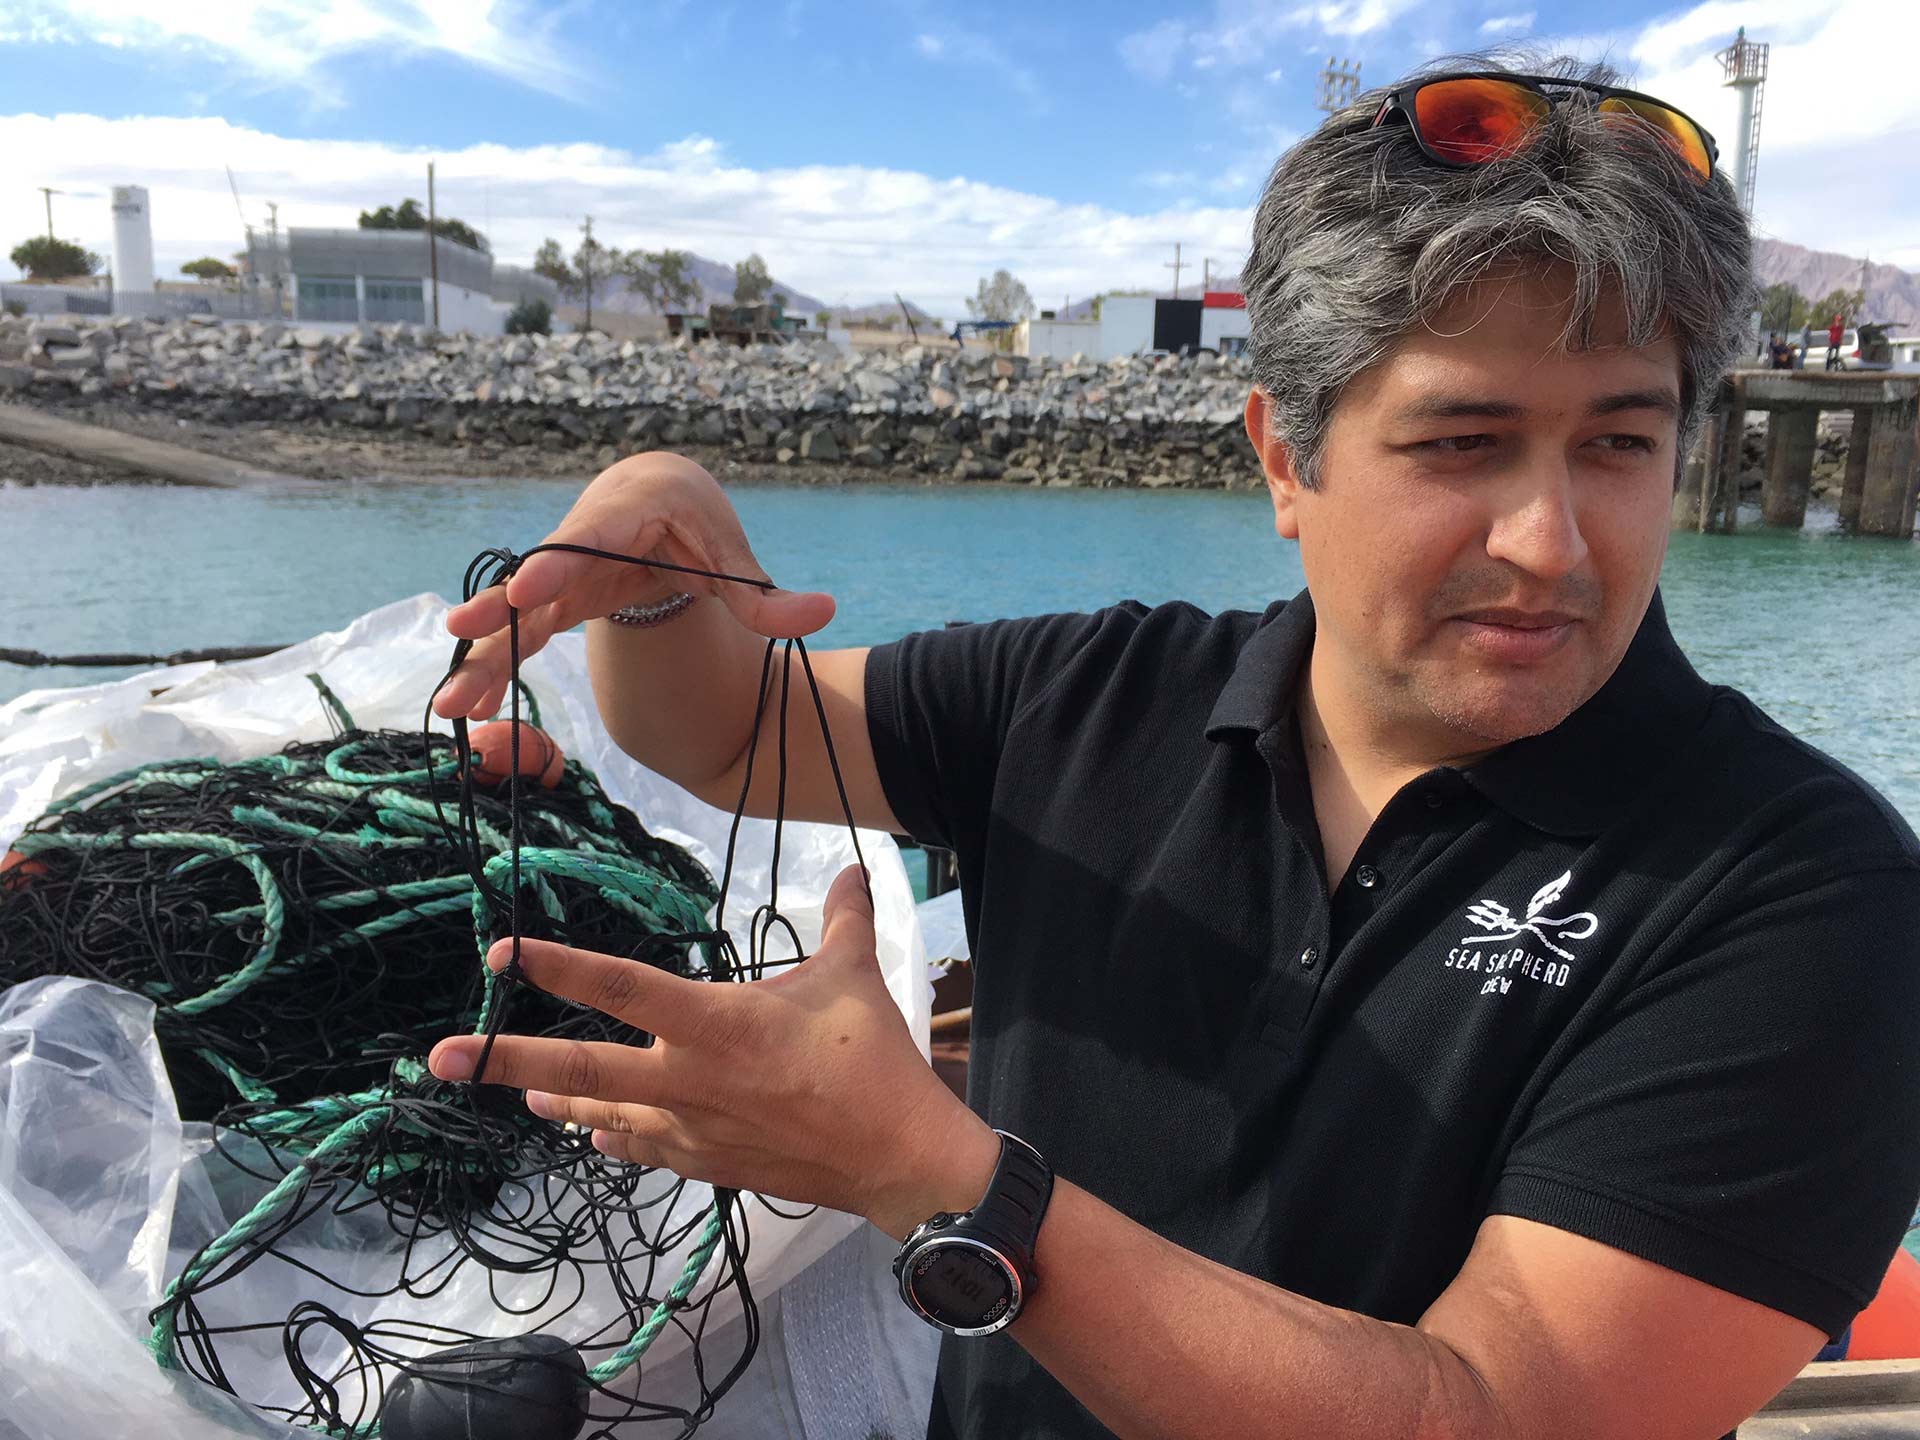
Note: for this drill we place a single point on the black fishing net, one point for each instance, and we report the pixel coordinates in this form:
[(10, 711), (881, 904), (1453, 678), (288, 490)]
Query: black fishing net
[(304, 919), (308, 924)]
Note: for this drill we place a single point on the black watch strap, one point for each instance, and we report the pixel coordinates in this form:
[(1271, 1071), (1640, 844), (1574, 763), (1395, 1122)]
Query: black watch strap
[(1017, 1195)]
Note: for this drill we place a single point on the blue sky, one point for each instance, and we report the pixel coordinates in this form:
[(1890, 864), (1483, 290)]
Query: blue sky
[(860, 146)]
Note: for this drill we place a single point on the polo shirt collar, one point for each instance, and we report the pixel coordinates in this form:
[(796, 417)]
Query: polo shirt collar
[(1574, 779), (1259, 694)]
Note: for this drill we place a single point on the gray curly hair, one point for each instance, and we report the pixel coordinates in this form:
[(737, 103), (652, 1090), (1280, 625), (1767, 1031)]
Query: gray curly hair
[(1359, 238)]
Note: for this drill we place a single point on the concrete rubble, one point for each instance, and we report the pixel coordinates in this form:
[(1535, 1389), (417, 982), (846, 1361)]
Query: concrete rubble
[(932, 409)]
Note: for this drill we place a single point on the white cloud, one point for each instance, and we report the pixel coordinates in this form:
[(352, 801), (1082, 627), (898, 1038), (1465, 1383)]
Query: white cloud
[(290, 41), (1152, 53), (1246, 34), (1507, 24), (967, 47), (836, 231), (1350, 17)]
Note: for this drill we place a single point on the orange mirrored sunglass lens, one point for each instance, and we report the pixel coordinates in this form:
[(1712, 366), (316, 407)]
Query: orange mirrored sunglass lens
[(1471, 121), (1673, 127)]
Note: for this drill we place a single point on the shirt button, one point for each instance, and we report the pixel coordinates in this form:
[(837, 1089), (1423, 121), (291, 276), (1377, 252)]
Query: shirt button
[(1434, 802), (1309, 957), (1366, 877)]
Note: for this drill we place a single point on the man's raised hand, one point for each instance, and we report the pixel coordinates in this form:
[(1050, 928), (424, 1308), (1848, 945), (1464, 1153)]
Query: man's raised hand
[(660, 506)]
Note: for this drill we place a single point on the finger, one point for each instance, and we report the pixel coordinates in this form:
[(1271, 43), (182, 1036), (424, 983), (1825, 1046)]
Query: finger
[(634, 1150), (649, 1122), (482, 615), (779, 614), (847, 928), (544, 576), (592, 1068), (644, 996), (481, 682), (483, 669)]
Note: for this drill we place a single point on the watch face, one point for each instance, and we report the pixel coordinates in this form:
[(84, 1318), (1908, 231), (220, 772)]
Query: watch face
[(961, 1284)]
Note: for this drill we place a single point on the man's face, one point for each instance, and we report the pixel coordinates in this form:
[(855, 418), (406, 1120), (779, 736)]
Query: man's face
[(1490, 518)]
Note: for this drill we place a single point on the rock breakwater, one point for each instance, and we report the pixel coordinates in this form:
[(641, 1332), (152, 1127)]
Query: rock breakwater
[(933, 409)]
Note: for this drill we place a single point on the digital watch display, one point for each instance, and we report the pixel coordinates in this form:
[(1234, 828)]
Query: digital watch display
[(970, 1274)]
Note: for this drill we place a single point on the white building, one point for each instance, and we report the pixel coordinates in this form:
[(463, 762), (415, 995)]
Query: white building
[(362, 277), (1223, 322), (1126, 325), (1048, 338)]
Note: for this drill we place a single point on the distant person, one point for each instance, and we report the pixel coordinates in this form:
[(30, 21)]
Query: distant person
[(1806, 343), (1421, 1006), (1779, 352), (1835, 332)]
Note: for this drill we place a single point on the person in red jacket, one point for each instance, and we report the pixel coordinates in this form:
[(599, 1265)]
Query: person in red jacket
[(1834, 333)]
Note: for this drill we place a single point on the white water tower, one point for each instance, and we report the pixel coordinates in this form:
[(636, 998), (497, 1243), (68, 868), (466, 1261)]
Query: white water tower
[(132, 241)]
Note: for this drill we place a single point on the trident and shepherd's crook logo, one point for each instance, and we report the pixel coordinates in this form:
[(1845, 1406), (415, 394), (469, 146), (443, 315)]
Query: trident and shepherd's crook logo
[(1500, 923)]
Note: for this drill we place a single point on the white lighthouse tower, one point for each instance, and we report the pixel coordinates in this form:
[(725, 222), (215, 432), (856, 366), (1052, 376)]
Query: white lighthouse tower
[(1745, 65), (132, 249)]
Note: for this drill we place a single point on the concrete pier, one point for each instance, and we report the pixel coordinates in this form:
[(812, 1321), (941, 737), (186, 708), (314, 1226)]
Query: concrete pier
[(1854, 485), (1887, 494), (1783, 496), (1883, 458)]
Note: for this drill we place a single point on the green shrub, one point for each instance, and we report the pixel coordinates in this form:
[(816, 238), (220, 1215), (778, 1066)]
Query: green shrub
[(530, 317)]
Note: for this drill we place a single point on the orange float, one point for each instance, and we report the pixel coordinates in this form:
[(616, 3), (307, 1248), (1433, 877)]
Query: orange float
[(1889, 1328), (17, 867), (491, 746)]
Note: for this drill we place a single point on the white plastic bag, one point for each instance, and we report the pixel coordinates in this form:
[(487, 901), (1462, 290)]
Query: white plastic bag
[(104, 1194)]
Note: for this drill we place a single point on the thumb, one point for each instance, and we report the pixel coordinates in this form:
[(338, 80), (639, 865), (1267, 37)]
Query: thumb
[(848, 925), (777, 614)]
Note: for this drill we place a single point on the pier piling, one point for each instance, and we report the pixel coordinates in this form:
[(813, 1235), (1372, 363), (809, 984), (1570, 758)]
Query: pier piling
[(1883, 456)]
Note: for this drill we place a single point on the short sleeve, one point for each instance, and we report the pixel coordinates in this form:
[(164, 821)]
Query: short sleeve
[(1750, 1115), (940, 704)]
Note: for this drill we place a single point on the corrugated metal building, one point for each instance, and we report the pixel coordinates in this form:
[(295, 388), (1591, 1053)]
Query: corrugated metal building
[(376, 276)]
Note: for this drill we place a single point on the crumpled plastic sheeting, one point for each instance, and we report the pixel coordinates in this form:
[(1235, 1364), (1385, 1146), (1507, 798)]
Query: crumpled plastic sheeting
[(104, 1193)]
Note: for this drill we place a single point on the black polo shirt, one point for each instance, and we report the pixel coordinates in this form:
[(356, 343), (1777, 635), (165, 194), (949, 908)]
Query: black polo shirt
[(1651, 977)]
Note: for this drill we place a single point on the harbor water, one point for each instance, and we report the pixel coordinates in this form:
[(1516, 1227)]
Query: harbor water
[(1821, 629)]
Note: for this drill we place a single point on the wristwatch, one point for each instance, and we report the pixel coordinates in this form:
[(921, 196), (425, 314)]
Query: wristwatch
[(969, 1274)]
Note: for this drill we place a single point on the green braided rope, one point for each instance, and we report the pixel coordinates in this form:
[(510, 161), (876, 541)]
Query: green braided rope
[(336, 766), (87, 792), (273, 914), (629, 1354), (161, 1342)]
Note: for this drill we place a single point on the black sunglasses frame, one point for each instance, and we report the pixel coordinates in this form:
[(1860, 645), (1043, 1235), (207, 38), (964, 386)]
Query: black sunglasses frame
[(1399, 101)]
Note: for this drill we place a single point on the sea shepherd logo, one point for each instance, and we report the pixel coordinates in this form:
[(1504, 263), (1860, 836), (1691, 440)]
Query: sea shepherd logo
[(1500, 927)]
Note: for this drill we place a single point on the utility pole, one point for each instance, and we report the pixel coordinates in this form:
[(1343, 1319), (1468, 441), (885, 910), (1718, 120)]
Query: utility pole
[(1206, 275), (1339, 83), (273, 223), (433, 247), (1175, 267), (50, 192), (586, 268)]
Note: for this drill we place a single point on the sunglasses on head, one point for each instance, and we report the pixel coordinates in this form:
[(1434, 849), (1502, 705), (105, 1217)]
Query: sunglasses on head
[(1467, 120)]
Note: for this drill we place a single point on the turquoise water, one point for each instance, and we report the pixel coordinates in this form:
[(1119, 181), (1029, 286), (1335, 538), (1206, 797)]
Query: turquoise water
[(1822, 630)]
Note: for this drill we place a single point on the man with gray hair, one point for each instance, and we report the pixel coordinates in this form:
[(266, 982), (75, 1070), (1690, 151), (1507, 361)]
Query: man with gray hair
[(1411, 1011)]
